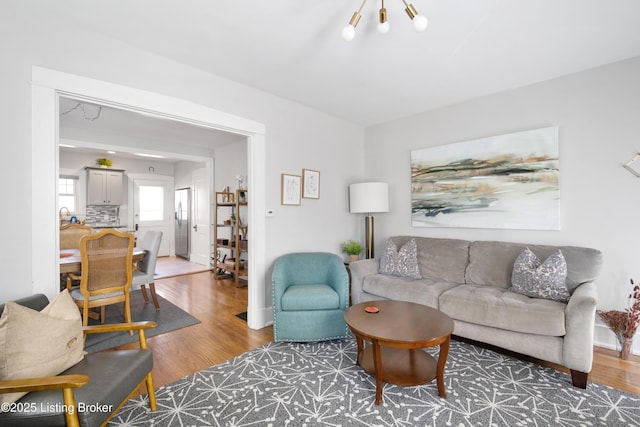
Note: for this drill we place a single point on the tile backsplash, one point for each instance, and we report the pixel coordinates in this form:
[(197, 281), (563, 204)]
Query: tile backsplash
[(103, 215)]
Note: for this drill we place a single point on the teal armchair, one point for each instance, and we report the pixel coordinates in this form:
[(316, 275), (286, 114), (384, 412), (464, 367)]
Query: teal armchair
[(310, 295)]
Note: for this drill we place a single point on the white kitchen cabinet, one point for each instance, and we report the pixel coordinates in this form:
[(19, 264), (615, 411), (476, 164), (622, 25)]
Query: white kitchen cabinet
[(104, 186)]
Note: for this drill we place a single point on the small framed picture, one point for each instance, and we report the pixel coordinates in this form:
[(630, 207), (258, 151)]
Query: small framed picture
[(310, 184), (291, 189)]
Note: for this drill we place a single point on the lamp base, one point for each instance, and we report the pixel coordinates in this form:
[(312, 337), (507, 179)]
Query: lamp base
[(369, 236)]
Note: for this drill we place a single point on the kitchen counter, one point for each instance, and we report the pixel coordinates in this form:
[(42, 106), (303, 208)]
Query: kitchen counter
[(97, 226)]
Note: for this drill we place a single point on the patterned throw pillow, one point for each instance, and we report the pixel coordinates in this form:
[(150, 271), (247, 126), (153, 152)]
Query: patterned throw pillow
[(537, 279), (403, 262)]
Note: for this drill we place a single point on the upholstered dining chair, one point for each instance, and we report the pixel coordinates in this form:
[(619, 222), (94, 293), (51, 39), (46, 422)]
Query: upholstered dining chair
[(107, 269), (146, 268), (310, 295), (70, 235)]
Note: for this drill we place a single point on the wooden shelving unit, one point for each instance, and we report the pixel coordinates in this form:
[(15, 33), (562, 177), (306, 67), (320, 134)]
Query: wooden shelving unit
[(231, 246)]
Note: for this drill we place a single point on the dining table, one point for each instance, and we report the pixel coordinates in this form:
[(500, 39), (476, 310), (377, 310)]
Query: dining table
[(70, 261)]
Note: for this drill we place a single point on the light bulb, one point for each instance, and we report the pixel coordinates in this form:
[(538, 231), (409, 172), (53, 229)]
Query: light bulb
[(348, 32), (420, 23), (383, 27)]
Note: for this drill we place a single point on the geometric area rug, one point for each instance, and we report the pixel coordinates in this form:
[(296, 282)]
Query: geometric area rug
[(318, 384), (169, 318)]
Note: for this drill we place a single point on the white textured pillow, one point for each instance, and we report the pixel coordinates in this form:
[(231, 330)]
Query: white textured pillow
[(537, 279), (402, 262), (39, 343)]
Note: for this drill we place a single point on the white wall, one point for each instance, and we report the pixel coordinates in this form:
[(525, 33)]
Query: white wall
[(598, 113), (183, 173), (296, 136), (79, 160), (230, 161)]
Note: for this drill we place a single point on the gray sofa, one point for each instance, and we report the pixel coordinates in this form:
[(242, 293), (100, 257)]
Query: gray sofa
[(469, 281)]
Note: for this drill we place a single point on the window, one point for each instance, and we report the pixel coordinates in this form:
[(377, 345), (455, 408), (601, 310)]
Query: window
[(151, 203), (67, 187)]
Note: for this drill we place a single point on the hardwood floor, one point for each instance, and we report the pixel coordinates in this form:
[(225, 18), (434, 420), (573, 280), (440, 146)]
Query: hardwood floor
[(175, 266), (221, 335)]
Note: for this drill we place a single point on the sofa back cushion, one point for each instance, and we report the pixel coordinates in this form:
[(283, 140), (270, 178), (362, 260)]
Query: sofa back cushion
[(35, 302), (491, 263), (440, 258)]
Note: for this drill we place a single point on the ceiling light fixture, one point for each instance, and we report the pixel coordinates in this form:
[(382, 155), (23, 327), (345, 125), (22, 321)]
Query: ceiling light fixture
[(419, 21)]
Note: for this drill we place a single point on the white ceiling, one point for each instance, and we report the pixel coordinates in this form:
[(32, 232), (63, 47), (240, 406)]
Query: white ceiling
[(85, 125), (293, 48)]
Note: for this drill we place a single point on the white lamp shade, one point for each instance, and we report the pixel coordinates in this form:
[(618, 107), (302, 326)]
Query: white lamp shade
[(368, 197)]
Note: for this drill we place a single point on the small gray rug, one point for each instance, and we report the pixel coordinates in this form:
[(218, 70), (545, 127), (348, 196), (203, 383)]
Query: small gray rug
[(169, 318), (318, 384)]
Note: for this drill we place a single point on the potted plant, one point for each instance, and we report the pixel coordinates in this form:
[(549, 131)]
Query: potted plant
[(353, 249), (104, 163)]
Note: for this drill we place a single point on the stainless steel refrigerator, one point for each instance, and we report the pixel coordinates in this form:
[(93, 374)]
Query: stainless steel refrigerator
[(183, 222)]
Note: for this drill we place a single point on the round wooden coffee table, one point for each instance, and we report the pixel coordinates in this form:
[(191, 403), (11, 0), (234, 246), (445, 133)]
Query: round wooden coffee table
[(397, 333)]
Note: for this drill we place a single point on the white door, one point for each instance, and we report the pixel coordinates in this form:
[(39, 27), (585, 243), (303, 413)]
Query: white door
[(153, 210), (201, 225)]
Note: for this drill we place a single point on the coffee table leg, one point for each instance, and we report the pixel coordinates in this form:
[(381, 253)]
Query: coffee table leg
[(377, 362), (360, 343), (442, 361)]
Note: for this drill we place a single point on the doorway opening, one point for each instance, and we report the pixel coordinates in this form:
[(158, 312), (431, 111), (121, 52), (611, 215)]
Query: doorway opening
[(49, 85), (129, 141)]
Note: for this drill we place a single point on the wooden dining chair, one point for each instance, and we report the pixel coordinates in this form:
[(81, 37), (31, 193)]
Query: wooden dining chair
[(70, 235), (107, 265)]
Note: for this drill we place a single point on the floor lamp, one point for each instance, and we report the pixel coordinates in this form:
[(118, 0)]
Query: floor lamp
[(369, 197)]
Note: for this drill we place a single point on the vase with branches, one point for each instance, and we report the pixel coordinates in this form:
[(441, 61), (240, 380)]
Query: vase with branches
[(624, 324)]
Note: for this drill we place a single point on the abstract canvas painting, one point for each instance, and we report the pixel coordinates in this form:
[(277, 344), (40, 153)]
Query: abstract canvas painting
[(507, 181)]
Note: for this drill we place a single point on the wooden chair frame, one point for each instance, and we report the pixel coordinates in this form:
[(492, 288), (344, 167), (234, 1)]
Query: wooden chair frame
[(87, 302)]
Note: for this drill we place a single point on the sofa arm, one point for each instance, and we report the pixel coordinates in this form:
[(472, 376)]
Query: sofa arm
[(580, 318), (120, 327), (359, 270), (43, 383), (66, 383)]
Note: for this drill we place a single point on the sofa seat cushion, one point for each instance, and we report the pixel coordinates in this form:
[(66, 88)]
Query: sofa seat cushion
[(499, 308), (422, 291), (310, 297)]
